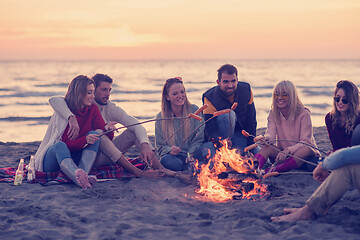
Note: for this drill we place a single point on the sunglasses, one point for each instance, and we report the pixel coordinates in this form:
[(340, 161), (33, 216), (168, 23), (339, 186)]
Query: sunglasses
[(344, 100), (283, 95)]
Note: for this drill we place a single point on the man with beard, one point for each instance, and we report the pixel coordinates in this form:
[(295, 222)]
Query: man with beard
[(228, 91)]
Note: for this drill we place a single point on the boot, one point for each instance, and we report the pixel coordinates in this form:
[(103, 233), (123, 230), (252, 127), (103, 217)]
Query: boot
[(77, 175), (261, 160), (86, 162)]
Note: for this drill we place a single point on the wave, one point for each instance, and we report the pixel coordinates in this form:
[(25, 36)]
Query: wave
[(32, 94), (24, 119)]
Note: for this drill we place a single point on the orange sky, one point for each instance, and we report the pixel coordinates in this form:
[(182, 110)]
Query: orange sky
[(179, 29)]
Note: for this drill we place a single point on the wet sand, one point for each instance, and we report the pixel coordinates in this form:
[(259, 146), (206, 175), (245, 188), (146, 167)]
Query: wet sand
[(139, 208)]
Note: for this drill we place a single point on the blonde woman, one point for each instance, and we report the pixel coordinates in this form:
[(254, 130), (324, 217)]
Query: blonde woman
[(290, 120), (172, 150)]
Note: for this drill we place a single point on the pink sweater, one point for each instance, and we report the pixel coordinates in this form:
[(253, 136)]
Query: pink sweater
[(299, 129)]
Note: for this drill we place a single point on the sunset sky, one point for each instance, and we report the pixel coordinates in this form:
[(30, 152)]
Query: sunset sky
[(179, 29)]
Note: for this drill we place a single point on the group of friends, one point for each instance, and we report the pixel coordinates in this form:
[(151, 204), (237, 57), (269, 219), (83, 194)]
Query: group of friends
[(80, 134)]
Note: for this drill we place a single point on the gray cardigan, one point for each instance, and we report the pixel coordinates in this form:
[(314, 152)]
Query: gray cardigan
[(192, 143)]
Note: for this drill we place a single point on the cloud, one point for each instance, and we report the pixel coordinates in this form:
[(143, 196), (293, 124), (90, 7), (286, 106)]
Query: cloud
[(115, 37), (121, 36)]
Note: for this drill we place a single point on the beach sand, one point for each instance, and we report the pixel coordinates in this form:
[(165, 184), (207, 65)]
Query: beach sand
[(139, 208)]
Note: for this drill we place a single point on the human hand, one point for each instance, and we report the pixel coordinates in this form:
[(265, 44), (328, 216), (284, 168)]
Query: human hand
[(92, 138), (175, 150), (110, 125), (320, 174), (282, 156), (147, 154), (329, 152), (74, 128), (189, 159)]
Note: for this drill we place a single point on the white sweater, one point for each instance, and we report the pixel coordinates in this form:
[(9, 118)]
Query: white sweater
[(109, 112), (53, 135)]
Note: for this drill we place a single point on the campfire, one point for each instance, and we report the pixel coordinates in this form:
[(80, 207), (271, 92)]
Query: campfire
[(228, 176)]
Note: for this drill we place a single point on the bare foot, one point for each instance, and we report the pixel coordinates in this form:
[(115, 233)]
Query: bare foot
[(291, 210), (186, 178), (92, 180), (152, 174), (82, 179), (304, 213), (167, 172)]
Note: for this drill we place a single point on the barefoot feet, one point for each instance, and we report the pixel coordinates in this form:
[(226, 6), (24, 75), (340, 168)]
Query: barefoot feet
[(82, 179), (295, 214)]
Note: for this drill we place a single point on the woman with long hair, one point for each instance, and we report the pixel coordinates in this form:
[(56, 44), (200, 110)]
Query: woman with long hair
[(171, 134), (290, 120), (342, 121)]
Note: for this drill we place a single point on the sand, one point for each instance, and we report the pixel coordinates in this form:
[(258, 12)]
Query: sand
[(139, 208)]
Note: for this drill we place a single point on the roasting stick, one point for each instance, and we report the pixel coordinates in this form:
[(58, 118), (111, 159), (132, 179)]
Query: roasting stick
[(131, 125), (150, 120), (191, 115), (215, 114), (246, 134), (194, 115), (273, 174), (309, 145)]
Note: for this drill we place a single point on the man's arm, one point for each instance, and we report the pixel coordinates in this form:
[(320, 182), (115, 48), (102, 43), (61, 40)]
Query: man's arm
[(251, 122), (342, 157), (60, 107), (117, 114)]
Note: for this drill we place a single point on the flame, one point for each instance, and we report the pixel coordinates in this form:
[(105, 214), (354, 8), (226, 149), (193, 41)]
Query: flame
[(228, 175)]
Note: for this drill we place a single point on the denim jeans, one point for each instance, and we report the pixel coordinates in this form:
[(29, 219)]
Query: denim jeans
[(59, 151), (355, 138), (226, 129), (334, 187), (178, 162)]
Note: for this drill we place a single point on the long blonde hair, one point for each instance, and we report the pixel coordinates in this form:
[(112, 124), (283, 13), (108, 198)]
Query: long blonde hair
[(295, 104), (77, 90), (166, 111), (352, 95)]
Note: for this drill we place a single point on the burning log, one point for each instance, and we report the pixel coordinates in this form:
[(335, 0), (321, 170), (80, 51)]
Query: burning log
[(237, 176), (228, 175)]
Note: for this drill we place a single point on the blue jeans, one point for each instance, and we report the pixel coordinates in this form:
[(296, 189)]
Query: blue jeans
[(355, 138), (59, 151), (342, 157), (178, 162), (226, 129)]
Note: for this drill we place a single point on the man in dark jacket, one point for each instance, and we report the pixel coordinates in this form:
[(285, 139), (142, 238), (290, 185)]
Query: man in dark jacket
[(230, 125)]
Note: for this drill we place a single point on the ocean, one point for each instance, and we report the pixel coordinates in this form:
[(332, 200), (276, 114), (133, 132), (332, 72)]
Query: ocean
[(26, 86)]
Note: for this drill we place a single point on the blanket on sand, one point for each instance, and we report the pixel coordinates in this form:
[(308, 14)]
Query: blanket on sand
[(104, 172)]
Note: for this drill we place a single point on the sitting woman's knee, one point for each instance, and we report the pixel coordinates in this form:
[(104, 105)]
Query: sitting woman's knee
[(171, 162)]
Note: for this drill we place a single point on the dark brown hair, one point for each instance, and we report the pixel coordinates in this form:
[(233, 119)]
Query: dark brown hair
[(77, 91)]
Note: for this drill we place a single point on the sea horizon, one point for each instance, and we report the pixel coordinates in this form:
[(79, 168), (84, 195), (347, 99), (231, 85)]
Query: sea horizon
[(26, 86)]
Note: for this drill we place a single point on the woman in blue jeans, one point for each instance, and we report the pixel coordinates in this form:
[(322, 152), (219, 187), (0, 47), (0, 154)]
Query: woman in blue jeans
[(74, 156), (174, 149)]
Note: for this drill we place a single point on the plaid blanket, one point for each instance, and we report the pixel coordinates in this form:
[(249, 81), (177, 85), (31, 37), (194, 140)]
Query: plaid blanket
[(103, 172)]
